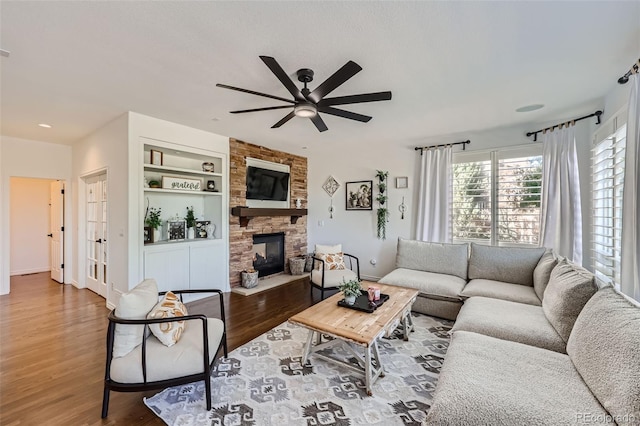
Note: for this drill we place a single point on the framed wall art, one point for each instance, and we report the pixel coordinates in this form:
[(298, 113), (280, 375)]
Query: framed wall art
[(358, 195), (201, 228), (157, 158), (181, 184), (177, 230), (402, 182)]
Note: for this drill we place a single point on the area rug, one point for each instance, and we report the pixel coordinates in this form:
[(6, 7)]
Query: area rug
[(264, 383)]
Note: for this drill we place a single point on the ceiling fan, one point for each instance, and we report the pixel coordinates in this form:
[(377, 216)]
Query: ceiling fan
[(309, 104)]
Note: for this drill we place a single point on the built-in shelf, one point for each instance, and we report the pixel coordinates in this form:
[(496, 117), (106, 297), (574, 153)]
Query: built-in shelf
[(179, 170), (177, 191), (246, 213)]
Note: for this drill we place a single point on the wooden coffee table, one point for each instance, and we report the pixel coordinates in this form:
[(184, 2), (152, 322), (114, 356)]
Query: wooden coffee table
[(355, 329)]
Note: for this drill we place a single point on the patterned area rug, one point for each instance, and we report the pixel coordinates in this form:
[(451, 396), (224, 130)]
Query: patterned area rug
[(264, 383)]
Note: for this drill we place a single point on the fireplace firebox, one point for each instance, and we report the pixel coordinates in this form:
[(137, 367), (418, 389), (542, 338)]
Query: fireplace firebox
[(268, 253)]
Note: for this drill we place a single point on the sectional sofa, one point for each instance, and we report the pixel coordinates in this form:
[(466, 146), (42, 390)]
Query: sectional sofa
[(535, 340)]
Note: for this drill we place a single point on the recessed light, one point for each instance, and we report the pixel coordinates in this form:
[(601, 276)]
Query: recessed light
[(45, 125), (215, 119), (304, 147), (4, 53), (531, 107)]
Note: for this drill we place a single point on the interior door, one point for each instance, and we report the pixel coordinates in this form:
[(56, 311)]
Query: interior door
[(56, 232), (96, 236)]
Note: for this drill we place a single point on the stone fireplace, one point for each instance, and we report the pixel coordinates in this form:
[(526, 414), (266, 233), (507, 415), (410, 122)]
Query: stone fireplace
[(268, 253), (241, 237)]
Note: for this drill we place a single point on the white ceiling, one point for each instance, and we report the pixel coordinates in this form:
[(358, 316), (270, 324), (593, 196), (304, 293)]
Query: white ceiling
[(452, 66)]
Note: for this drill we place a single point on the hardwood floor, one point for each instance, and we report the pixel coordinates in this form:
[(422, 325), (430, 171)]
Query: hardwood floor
[(52, 349)]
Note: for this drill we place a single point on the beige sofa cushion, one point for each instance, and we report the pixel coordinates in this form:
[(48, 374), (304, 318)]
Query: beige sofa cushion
[(429, 284), (167, 362), (501, 290), (134, 304), (506, 264), (169, 307), (332, 278), (511, 321), (570, 287), (605, 348), (489, 381), (450, 259), (323, 248), (542, 272)]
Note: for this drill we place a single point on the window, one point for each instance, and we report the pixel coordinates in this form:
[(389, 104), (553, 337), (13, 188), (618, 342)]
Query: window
[(607, 179), (496, 196)]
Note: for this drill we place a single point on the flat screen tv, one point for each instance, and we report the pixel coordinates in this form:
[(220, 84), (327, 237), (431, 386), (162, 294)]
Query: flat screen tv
[(263, 184)]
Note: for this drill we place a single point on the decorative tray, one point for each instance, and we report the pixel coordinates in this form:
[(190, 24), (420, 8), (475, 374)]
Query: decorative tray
[(362, 302)]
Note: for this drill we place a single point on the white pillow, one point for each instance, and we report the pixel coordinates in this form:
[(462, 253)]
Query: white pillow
[(135, 304), (321, 248), (169, 307)]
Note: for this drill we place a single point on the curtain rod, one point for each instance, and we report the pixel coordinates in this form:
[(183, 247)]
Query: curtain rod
[(422, 148), (596, 114), (635, 68)]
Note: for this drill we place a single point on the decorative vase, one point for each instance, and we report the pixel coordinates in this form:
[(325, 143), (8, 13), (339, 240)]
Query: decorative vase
[(211, 231), (349, 300), (191, 233), (156, 234)]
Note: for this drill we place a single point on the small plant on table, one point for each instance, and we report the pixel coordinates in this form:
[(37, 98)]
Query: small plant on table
[(351, 290)]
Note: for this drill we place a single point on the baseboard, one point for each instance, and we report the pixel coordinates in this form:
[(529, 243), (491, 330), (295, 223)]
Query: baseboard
[(369, 278), (30, 271)]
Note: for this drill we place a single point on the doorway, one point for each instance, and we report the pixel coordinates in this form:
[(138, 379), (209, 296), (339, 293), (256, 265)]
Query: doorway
[(31, 223), (95, 240)]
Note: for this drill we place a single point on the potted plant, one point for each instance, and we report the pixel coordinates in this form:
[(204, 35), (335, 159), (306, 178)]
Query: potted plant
[(351, 290), (383, 214), (152, 219), (190, 218)]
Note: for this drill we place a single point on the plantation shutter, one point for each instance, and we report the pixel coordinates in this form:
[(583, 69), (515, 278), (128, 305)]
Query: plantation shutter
[(607, 180)]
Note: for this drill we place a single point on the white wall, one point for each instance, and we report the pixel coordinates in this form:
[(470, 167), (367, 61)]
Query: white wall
[(34, 159), (106, 149), (356, 230), (29, 216)]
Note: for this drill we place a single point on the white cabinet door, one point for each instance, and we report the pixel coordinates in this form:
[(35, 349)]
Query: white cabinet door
[(208, 265), (168, 265)]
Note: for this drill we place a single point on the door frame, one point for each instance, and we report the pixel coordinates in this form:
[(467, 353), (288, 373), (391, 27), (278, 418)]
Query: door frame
[(82, 227), (5, 249)]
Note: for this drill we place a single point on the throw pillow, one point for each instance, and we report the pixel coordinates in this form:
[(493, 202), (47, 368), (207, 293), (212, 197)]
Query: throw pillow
[(570, 287), (542, 272), (169, 307), (332, 261), (321, 248), (604, 346), (135, 304)]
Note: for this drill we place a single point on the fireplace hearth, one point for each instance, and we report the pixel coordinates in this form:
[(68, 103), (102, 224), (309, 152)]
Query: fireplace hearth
[(268, 253)]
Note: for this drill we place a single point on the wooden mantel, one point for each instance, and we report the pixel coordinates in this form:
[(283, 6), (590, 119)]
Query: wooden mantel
[(246, 213)]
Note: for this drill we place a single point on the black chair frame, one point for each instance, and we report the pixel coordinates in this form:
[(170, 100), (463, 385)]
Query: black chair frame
[(351, 258), (110, 384)]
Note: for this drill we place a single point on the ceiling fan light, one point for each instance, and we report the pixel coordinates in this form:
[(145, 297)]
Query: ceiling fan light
[(306, 110)]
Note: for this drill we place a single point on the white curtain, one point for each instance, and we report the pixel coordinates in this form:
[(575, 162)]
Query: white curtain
[(630, 251), (434, 197), (561, 217)]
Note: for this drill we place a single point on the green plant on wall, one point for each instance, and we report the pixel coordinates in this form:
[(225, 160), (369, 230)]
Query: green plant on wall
[(383, 212)]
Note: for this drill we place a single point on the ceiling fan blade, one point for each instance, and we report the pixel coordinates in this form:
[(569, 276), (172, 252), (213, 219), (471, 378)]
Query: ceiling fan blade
[(319, 122), (347, 71), (251, 92), (283, 77), (259, 109), (284, 120), (356, 99), (344, 114)]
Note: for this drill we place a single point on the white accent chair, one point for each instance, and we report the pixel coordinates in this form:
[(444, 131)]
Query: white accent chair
[(324, 279), (138, 361)]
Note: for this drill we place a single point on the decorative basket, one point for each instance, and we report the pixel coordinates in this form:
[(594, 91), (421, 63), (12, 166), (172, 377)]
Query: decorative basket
[(296, 265), (249, 279)]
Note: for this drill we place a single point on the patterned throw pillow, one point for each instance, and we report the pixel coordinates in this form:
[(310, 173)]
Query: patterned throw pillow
[(332, 261), (168, 332)]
